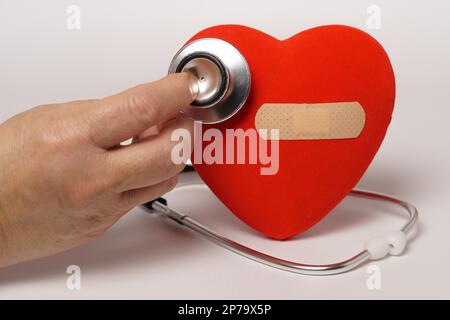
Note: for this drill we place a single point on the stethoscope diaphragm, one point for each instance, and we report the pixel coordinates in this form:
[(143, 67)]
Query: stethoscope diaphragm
[(223, 78)]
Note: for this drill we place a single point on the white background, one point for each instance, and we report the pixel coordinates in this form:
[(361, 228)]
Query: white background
[(124, 43)]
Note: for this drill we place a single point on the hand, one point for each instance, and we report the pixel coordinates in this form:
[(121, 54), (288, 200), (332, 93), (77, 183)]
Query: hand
[(65, 178)]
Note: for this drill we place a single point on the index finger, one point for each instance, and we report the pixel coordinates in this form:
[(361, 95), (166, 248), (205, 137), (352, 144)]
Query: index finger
[(127, 114)]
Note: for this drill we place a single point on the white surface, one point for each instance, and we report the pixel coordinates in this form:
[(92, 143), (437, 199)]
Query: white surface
[(122, 44)]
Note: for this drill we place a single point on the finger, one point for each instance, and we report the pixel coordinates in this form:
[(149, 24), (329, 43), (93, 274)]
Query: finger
[(139, 196), (127, 114), (153, 131), (149, 161)]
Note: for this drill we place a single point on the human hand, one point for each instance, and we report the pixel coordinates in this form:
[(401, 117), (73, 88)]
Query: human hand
[(65, 178)]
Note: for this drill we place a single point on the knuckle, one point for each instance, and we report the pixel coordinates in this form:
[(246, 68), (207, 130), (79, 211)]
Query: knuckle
[(171, 183), (47, 138), (167, 185), (179, 168), (143, 107), (169, 168), (54, 139), (171, 160)]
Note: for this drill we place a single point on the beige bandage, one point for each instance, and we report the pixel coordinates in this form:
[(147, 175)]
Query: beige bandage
[(338, 120)]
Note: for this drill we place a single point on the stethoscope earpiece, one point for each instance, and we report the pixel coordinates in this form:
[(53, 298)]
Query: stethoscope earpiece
[(223, 78)]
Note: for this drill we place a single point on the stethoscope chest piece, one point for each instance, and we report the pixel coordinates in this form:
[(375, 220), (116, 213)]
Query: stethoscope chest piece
[(223, 78)]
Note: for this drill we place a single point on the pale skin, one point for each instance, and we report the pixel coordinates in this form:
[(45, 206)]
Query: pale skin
[(65, 178)]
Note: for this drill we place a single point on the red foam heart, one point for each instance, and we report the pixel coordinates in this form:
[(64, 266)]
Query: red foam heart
[(319, 65)]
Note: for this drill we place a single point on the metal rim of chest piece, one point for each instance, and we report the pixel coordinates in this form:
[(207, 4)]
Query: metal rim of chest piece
[(223, 78)]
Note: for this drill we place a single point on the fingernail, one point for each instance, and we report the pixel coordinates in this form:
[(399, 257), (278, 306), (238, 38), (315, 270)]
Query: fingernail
[(193, 86)]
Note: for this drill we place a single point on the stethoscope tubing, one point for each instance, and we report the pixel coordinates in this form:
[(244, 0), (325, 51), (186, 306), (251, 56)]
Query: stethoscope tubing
[(160, 207)]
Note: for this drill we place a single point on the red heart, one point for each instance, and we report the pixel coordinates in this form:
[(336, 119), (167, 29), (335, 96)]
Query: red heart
[(319, 65)]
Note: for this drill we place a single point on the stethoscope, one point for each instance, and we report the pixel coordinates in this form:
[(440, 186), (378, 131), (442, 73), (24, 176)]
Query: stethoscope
[(223, 79)]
